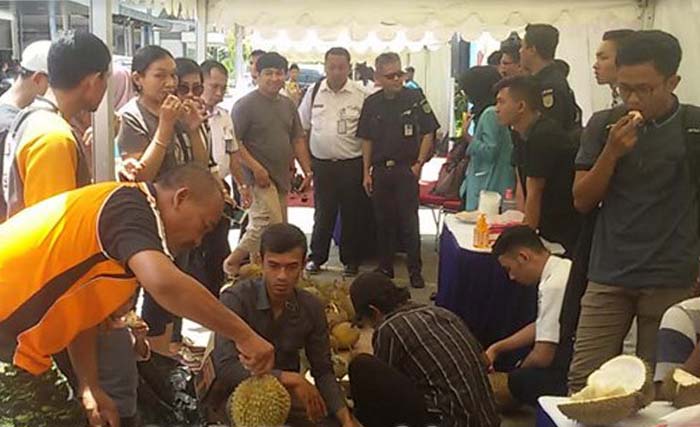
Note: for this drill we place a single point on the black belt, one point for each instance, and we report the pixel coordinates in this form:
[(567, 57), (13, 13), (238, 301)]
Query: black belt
[(336, 160), (391, 163)]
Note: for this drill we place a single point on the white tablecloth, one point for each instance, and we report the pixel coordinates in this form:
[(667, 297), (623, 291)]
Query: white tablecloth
[(647, 417), (464, 233)]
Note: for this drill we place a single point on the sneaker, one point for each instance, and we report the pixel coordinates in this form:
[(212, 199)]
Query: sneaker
[(350, 270), (387, 273), (312, 267), (417, 281)]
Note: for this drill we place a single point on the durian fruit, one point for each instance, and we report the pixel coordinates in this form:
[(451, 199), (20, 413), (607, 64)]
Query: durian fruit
[(250, 271), (259, 402), (682, 388), (343, 301), (335, 315), (345, 336), (617, 390), (505, 401)]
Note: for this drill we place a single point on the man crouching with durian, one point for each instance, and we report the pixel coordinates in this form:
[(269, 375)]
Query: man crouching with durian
[(292, 320)]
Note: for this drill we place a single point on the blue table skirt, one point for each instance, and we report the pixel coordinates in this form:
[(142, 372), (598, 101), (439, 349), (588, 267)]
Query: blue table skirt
[(475, 287)]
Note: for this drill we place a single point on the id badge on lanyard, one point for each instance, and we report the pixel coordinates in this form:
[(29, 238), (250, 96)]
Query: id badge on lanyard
[(342, 122)]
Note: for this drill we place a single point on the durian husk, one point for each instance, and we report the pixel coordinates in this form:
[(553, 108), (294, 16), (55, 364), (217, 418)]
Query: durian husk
[(505, 402), (681, 388), (259, 402), (603, 411), (589, 407)]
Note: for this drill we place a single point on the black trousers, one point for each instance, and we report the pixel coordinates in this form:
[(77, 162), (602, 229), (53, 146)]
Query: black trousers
[(529, 384), (384, 397), (338, 186), (395, 199)]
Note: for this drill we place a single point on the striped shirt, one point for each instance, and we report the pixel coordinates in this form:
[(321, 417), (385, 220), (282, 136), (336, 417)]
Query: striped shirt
[(679, 333), (434, 348)]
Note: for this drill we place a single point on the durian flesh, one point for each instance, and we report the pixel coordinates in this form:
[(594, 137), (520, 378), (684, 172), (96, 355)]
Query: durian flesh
[(682, 388), (617, 390)]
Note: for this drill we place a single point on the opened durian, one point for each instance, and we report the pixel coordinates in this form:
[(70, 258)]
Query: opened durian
[(345, 336), (259, 402), (617, 390), (682, 388)]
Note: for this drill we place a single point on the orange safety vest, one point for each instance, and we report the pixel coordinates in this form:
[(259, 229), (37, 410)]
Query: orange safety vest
[(56, 280)]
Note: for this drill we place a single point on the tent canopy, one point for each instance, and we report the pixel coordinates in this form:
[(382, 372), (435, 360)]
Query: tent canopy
[(418, 22)]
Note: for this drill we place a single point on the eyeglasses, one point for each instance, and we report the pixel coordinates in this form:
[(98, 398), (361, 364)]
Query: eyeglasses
[(394, 76), (183, 89), (642, 91)]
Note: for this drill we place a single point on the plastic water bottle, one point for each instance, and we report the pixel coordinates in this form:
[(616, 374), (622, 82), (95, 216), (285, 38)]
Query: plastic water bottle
[(508, 203)]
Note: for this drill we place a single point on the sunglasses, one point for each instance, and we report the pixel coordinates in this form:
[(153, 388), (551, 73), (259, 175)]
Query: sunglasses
[(183, 89), (394, 76)]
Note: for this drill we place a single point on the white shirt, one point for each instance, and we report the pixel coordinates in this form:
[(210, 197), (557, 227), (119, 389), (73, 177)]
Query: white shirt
[(223, 139), (333, 119), (550, 298)]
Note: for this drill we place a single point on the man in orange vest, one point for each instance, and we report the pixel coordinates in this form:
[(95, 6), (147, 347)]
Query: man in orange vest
[(70, 261)]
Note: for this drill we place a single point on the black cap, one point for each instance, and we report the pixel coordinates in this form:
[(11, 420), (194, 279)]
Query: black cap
[(372, 288)]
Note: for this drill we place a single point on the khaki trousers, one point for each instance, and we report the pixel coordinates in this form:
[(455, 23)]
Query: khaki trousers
[(269, 207), (605, 319)]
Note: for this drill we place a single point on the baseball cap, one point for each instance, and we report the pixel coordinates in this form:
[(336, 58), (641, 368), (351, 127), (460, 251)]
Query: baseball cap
[(371, 288), (35, 57)]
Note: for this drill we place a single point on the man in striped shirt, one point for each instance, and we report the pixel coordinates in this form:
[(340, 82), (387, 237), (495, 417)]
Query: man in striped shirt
[(678, 342), (427, 368)]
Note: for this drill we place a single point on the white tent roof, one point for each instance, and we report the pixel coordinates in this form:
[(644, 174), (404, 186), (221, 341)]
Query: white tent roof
[(415, 21)]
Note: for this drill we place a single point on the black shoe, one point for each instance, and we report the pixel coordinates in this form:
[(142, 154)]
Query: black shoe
[(387, 273), (312, 267), (417, 281)]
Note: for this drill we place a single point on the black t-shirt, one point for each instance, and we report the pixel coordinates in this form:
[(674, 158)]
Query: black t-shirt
[(396, 126), (558, 99), (547, 152), (127, 224)]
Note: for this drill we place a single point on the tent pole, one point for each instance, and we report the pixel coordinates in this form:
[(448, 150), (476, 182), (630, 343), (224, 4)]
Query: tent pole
[(648, 13), (102, 120), (201, 29)]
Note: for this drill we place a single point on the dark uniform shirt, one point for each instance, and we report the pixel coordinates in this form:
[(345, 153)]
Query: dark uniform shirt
[(548, 152), (433, 347), (558, 99), (302, 325), (396, 126)]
